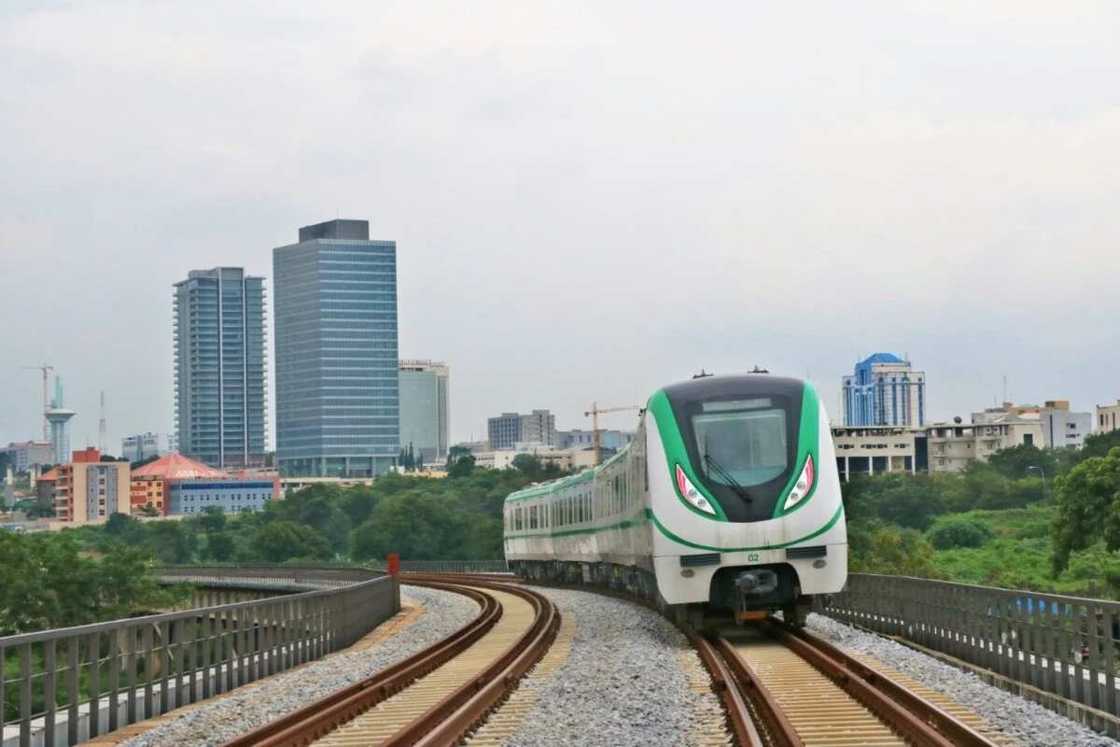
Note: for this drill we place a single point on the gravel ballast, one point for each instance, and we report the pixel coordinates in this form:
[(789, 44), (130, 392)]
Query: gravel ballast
[(1027, 722), (217, 721), (622, 684)]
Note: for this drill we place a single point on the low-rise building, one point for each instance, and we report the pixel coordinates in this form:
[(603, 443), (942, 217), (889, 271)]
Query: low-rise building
[(175, 484), (953, 445), (872, 450), (1062, 428), (89, 490), (563, 459), (1108, 417), (609, 440)]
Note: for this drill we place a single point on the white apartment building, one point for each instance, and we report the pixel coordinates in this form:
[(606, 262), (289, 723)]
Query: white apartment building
[(1108, 417), (1062, 428)]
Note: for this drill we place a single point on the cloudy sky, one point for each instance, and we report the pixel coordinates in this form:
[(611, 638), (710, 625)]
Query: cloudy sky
[(589, 199)]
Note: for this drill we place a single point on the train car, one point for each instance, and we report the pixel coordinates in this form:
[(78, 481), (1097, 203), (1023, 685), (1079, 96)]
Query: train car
[(726, 500)]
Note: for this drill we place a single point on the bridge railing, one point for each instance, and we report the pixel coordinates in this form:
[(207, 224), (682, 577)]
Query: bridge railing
[(1059, 645), (455, 566), (62, 686)]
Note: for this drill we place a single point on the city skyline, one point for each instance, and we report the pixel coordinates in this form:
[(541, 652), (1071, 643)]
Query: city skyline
[(816, 206)]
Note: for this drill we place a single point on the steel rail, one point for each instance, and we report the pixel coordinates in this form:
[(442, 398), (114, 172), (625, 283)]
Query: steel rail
[(303, 726), (779, 730), (459, 711), (730, 691), (449, 721), (948, 725), (906, 715)]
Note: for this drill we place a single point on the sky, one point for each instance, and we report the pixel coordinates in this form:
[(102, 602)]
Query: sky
[(590, 200)]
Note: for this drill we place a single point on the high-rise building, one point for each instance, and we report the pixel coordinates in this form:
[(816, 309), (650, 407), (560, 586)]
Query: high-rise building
[(219, 367), (337, 396), (885, 390), (423, 388), (142, 446), (509, 429)]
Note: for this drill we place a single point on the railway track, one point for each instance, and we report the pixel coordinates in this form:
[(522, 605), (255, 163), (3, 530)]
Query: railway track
[(787, 688), (438, 695)]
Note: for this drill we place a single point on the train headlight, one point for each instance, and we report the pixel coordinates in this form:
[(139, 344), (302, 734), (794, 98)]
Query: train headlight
[(691, 494), (803, 485)]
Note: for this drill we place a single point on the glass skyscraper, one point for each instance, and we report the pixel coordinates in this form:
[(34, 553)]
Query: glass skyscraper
[(884, 390), (423, 387), (337, 388), (220, 368)]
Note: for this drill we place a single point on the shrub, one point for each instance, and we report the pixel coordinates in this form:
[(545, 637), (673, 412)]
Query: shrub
[(959, 532)]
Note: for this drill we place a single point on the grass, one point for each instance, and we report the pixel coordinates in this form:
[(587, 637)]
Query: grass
[(1018, 557)]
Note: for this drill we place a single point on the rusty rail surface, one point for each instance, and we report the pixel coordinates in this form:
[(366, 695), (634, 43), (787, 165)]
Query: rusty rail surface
[(448, 721)]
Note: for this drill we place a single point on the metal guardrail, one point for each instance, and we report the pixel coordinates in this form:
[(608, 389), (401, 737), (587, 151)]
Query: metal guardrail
[(1061, 645), (65, 685), (455, 566)]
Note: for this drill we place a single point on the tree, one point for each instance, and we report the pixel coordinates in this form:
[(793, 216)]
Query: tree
[(220, 546), (896, 551), (278, 541), (357, 503), (896, 497), (1100, 444), (1021, 461), (528, 464), (171, 541), (462, 467), (957, 531), (1088, 502), (213, 519), (454, 453), (416, 524)]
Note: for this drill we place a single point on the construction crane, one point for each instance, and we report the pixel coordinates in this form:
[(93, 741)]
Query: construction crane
[(595, 412), (46, 405)]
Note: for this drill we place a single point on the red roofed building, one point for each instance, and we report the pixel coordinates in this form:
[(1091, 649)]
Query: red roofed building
[(150, 483), (175, 484)]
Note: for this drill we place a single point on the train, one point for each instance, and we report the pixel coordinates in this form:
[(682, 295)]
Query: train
[(725, 502)]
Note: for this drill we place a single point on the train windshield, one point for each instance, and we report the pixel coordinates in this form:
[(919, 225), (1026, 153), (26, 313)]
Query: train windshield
[(741, 443), (741, 435)]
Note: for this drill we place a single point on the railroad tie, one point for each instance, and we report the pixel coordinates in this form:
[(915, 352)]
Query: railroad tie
[(391, 715), (821, 712), (505, 722), (962, 713)]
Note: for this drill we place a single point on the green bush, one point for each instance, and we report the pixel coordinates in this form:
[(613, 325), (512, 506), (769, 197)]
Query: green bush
[(955, 531)]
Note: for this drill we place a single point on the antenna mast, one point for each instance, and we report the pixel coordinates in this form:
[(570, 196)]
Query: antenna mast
[(101, 426)]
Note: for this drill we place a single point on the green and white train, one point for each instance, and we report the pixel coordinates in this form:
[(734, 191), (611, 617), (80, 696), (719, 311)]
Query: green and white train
[(727, 499)]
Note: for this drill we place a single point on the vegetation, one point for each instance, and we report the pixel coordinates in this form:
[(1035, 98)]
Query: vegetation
[(49, 581), (1047, 520)]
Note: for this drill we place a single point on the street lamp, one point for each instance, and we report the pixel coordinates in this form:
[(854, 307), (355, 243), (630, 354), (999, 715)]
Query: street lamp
[(1041, 473)]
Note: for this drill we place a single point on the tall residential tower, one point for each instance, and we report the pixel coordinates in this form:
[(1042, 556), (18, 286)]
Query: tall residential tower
[(220, 368), (337, 395)]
